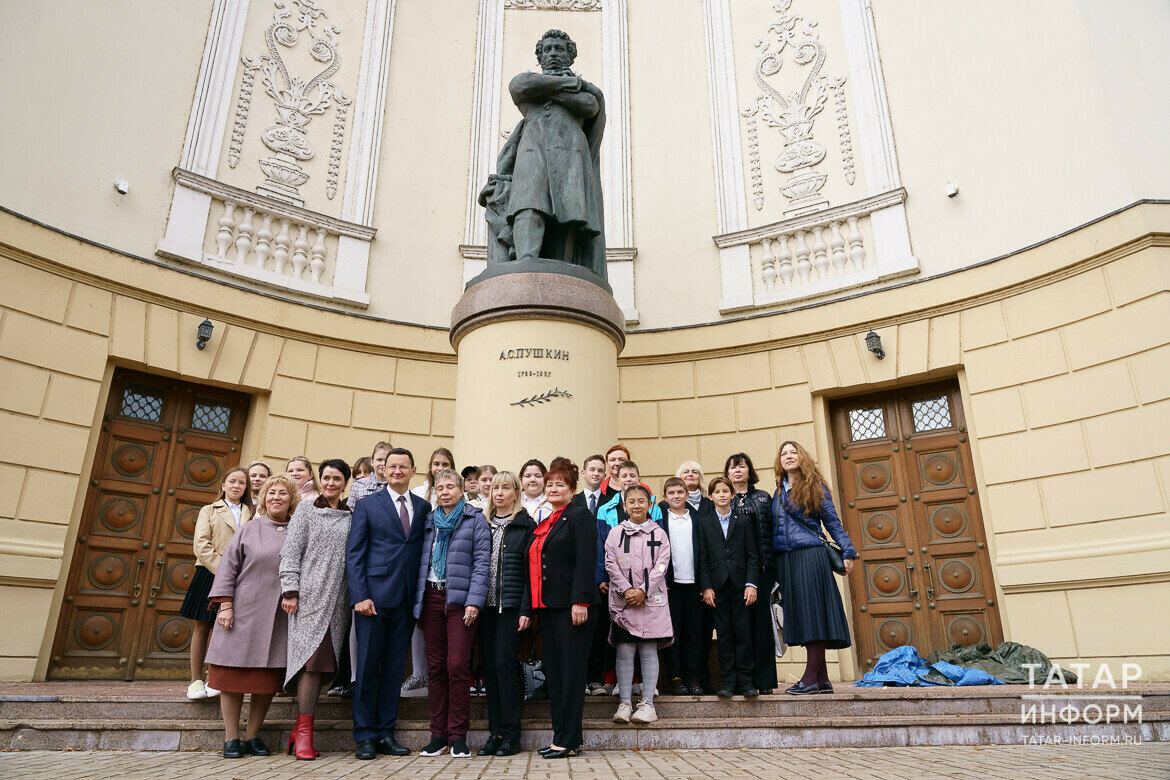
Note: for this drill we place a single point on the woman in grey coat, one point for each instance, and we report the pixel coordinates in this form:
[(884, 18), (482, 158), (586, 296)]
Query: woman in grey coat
[(248, 647), (452, 588), (313, 587)]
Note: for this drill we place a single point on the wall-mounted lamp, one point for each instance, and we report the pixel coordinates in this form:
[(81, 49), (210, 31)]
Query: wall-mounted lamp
[(204, 334), (873, 342)]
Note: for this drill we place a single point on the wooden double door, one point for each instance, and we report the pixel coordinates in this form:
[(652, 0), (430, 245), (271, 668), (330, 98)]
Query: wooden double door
[(911, 507), (164, 448)]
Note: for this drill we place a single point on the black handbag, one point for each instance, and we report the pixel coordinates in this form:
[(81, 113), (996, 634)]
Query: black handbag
[(836, 557), (535, 686)]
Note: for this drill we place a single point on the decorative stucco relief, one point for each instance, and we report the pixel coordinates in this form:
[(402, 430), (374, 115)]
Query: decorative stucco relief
[(243, 105), (792, 112), (297, 100), (553, 5), (837, 83), (339, 115)]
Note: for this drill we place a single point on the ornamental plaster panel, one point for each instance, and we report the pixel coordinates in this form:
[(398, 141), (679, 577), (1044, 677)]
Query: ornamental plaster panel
[(829, 248), (298, 97), (790, 103)]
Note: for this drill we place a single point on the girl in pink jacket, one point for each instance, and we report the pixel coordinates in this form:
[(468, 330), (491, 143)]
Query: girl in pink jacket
[(637, 554)]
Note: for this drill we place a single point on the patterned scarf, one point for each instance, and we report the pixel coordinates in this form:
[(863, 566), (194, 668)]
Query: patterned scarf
[(444, 527), (498, 526)]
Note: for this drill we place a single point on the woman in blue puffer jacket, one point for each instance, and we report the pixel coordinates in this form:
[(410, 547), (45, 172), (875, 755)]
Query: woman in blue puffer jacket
[(813, 613), (452, 589)]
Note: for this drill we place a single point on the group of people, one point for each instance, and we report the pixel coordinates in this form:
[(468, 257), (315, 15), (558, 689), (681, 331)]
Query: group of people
[(297, 586)]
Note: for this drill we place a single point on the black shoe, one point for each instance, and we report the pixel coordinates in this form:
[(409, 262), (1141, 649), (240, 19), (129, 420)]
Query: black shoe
[(436, 747), (347, 692), (566, 753), (490, 747), (233, 748), (389, 746), (335, 690), (366, 749), (594, 689), (459, 749), (678, 687), (508, 748), (256, 747), (765, 691), (545, 749), (824, 687), (724, 693), (800, 689), (749, 692)]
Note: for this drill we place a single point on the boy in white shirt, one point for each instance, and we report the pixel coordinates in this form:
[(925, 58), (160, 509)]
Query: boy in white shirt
[(685, 659)]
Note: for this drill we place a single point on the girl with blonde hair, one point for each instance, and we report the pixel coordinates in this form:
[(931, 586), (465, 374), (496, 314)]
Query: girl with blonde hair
[(506, 613), (300, 469)]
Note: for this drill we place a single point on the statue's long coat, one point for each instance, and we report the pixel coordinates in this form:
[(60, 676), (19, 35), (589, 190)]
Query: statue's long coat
[(557, 169)]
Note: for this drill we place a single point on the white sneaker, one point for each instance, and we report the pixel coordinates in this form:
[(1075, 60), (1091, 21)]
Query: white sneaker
[(610, 689), (196, 691), (645, 713), (623, 713), (211, 692)]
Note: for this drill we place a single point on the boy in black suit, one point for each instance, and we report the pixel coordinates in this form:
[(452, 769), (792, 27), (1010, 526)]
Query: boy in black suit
[(727, 552), (602, 655), (685, 658)]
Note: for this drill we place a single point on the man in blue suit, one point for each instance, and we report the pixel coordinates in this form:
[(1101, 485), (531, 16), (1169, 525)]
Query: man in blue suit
[(385, 551)]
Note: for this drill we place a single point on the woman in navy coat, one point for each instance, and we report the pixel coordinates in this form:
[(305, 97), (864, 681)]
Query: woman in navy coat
[(813, 613)]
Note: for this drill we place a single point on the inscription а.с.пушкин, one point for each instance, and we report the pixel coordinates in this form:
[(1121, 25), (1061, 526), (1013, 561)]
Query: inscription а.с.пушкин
[(539, 353)]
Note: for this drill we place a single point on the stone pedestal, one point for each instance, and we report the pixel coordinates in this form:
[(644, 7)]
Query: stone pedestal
[(537, 371)]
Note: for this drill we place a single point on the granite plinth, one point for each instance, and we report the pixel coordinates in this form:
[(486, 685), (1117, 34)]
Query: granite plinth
[(541, 265), (520, 294)]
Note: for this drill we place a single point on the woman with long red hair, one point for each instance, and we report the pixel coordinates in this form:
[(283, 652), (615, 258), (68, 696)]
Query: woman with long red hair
[(813, 613)]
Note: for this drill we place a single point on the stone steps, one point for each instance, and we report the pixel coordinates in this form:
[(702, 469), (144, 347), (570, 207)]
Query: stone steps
[(120, 717), (847, 702)]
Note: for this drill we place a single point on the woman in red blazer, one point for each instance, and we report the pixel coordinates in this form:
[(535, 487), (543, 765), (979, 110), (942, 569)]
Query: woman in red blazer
[(561, 559)]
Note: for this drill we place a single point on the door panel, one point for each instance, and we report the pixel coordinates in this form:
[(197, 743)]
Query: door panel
[(891, 631), (134, 560), (907, 483), (204, 448)]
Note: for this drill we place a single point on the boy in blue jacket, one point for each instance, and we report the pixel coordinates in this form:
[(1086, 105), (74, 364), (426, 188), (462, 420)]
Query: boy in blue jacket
[(612, 512)]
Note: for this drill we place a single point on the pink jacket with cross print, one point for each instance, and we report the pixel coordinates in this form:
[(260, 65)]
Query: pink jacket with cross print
[(637, 556)]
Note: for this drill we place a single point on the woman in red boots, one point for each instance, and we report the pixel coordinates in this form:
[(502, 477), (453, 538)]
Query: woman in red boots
[(313, 590)]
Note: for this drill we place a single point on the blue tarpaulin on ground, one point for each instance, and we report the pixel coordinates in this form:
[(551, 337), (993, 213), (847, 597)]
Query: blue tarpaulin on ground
[(903, 666)]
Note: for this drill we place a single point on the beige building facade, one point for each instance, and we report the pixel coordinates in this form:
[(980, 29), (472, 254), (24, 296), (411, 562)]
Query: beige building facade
[(781, 179)]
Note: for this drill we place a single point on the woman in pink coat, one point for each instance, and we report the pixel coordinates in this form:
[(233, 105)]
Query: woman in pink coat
[(637, 554), (249, 643)]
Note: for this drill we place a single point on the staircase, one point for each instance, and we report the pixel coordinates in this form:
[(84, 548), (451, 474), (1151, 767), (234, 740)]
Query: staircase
[(157, 716)]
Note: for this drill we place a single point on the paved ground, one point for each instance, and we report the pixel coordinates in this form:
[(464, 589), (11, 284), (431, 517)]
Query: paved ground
[(1148, 760)]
